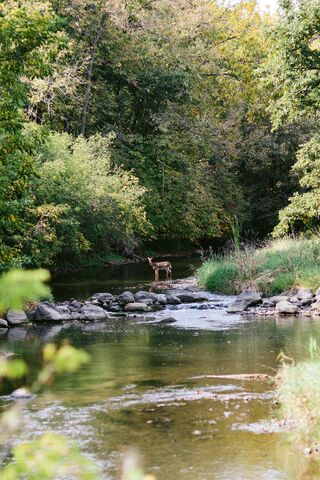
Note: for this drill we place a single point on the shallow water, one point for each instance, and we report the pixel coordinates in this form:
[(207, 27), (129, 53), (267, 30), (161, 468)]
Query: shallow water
[(147, 386), (83, 283)]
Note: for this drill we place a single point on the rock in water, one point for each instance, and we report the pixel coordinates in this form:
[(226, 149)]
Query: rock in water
[(103, 298), (167, 321), (75, 304), (3, 323), (162, 299), (184, 296), (21, 393), (136, 307), (305, 294), (173, 300), (278, 298), (246, 299), (125, 297), (286, 308), (16, 317), (45, 313), (93, 312), (141, 296)]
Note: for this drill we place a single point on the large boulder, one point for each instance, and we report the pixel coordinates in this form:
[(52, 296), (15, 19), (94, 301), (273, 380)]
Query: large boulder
[(136, 307), (246, 299), (45, 312), (125, 297), (93, 312), (286, 308), (141, 296), (305, 294), (16, 317)]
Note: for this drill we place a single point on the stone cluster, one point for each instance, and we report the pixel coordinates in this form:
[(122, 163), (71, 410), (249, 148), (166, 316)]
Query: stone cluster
[(100, 306), (301, 301)]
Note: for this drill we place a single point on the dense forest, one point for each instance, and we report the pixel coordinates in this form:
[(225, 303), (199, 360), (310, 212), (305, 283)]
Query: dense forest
[(129, 122)]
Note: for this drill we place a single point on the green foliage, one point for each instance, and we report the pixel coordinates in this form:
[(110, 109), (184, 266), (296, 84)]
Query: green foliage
[(293, 74), (24, 28), (303, 211), (65, 359), (50, 456), (86, 203), (13, 369), (188, 112), (298, 391), (192, 147), (17, 287), (218, 275), (279, 266), (294, 61)]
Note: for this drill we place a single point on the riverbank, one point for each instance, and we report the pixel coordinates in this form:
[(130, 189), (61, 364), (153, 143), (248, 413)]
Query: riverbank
[(279, 266)]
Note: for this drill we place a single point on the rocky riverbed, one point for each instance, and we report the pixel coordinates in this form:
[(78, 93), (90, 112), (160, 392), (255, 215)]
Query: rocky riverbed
[(301, 301), (103, 306)]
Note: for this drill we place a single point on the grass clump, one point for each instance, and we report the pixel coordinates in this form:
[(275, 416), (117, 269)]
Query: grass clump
[(298, 392), (277, 266), (218, 275)]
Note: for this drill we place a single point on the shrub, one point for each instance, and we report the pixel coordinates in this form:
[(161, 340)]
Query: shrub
[(298, 391), (83, 202), (278, 266)]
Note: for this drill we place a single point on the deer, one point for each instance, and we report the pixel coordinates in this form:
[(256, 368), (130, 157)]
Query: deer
[(160, 266)]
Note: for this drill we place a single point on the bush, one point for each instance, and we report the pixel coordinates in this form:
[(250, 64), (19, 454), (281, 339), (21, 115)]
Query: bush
[(298, 391), (83, 204), (278, 266)]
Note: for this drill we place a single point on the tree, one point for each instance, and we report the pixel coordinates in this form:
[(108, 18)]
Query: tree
[(294, 72), (24, 29), (83, 203)]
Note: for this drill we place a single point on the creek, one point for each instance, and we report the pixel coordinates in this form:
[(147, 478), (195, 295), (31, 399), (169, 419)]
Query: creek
[(148, 385)]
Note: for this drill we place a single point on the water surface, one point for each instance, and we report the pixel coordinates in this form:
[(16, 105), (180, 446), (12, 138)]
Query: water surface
[(147, 386), (83, 283)]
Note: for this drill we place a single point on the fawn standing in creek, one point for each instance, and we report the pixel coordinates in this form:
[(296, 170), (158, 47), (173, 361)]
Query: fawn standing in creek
[(160, 266)]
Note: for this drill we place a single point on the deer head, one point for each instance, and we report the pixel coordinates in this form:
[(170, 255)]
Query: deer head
[(150, 260)]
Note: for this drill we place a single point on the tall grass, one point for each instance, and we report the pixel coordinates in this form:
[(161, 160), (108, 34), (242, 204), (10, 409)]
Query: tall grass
[(298, 392), (278, 266)]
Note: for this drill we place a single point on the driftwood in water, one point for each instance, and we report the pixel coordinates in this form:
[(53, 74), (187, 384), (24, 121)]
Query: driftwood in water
[(243, 376)]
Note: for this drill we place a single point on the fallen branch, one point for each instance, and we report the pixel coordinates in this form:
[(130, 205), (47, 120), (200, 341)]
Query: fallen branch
[(243, 376)]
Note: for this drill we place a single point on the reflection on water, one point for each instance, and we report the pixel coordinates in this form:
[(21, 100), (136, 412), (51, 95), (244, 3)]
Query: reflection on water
[(146, 386)]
